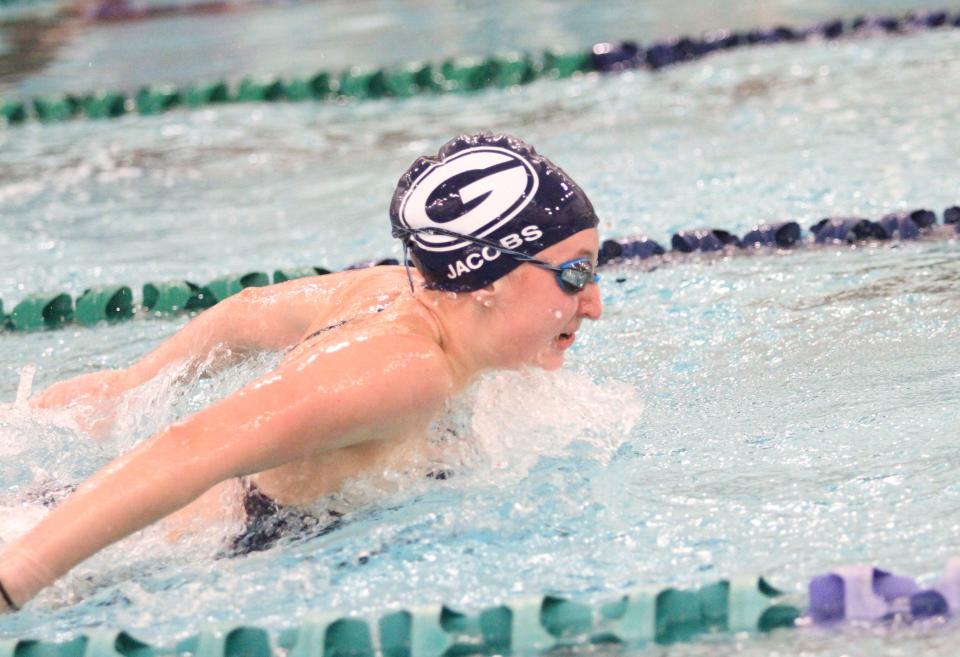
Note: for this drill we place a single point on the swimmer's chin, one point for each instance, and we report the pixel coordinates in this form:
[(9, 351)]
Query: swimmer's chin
[(550, 359)]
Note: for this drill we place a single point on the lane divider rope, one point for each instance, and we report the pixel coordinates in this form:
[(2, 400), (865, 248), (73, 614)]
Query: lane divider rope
[(639, 616), (112, 303), (461, 74), (521, 626)]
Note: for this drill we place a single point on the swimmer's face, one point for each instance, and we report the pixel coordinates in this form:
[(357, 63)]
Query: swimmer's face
[(542, 320)]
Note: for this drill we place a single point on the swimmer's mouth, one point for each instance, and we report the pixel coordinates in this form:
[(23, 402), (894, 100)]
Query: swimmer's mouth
[(566, 339)]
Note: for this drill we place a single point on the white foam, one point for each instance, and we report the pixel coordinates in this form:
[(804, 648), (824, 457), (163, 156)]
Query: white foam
[(26, 383), (508, 420)]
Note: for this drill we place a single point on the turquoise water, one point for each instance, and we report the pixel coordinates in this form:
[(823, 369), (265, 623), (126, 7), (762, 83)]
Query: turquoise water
[(779, 414)]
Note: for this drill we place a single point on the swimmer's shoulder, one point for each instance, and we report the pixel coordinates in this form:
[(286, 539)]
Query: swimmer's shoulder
[(359, 304), (345, 285)]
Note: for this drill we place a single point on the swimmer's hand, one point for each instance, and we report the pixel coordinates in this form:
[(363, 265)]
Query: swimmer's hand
[(90, 399), (92, 387)]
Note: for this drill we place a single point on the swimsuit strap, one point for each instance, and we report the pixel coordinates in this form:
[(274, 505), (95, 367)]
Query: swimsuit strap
[(329, 327), (335, 325)]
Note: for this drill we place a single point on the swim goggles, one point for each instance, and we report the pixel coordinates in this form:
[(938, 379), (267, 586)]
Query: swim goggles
[(572, 275)]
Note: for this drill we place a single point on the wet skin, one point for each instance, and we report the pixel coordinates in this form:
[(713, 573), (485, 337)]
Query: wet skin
[(351, 400)]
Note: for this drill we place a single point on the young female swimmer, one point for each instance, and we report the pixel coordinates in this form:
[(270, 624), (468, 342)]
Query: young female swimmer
[(372, 355)]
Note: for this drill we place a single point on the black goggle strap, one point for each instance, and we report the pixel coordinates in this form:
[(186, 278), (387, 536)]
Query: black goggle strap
[(406, 266), (406, 233)]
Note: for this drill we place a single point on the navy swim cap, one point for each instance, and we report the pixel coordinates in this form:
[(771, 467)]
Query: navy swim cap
[(479, 192)]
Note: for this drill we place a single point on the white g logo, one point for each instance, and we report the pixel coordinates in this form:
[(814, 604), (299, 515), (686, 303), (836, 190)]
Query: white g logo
[(501, 185)]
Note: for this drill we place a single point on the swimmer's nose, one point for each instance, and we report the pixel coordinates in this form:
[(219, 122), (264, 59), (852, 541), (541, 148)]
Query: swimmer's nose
[(591, 306)]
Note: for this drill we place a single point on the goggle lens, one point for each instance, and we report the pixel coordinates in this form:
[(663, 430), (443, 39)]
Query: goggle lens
[(575, 275)]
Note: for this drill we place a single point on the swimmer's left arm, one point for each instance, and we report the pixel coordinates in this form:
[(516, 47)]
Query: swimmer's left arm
[(360, 392)]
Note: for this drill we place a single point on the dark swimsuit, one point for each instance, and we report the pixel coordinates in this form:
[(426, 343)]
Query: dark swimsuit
[(268, 521)]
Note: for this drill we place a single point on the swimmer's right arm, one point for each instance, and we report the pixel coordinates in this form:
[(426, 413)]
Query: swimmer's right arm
[(242, 323), (362, 392)]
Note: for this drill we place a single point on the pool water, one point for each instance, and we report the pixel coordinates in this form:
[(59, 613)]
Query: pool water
[(777, 414)]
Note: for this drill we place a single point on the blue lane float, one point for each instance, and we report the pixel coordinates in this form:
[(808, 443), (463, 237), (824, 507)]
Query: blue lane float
[(952, 216), (704, 239), (636, 247), (781, 235), (613, 58), (847, 229), (907, 225), (867, 593)]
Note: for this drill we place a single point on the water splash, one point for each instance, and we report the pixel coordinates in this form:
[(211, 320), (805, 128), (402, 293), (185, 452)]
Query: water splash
[(27, 373), (518, 417)]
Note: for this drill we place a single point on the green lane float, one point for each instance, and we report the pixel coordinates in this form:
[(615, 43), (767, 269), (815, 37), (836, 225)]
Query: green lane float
[(254, 90), (297, 90), (564, 65), (466, 74), (206, 94), (168, 297), (107, 105), (640, 616), (362, 83), (219, 289), (13, 112), (409, 79), (157, 99), (102, 304), (281, 275), (42, 310), (512, 69), (320, 85), (427, 77), (55, 108)]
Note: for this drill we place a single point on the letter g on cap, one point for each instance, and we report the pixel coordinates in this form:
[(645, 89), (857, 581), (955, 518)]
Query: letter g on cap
[(503, 194)]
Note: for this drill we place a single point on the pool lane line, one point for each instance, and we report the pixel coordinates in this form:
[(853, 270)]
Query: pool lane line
[(534, 624), (114, 303), (637, 617), (455, 75)]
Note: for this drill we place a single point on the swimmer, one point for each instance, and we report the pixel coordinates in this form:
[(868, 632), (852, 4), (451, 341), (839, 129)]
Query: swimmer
[(505, 248)]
